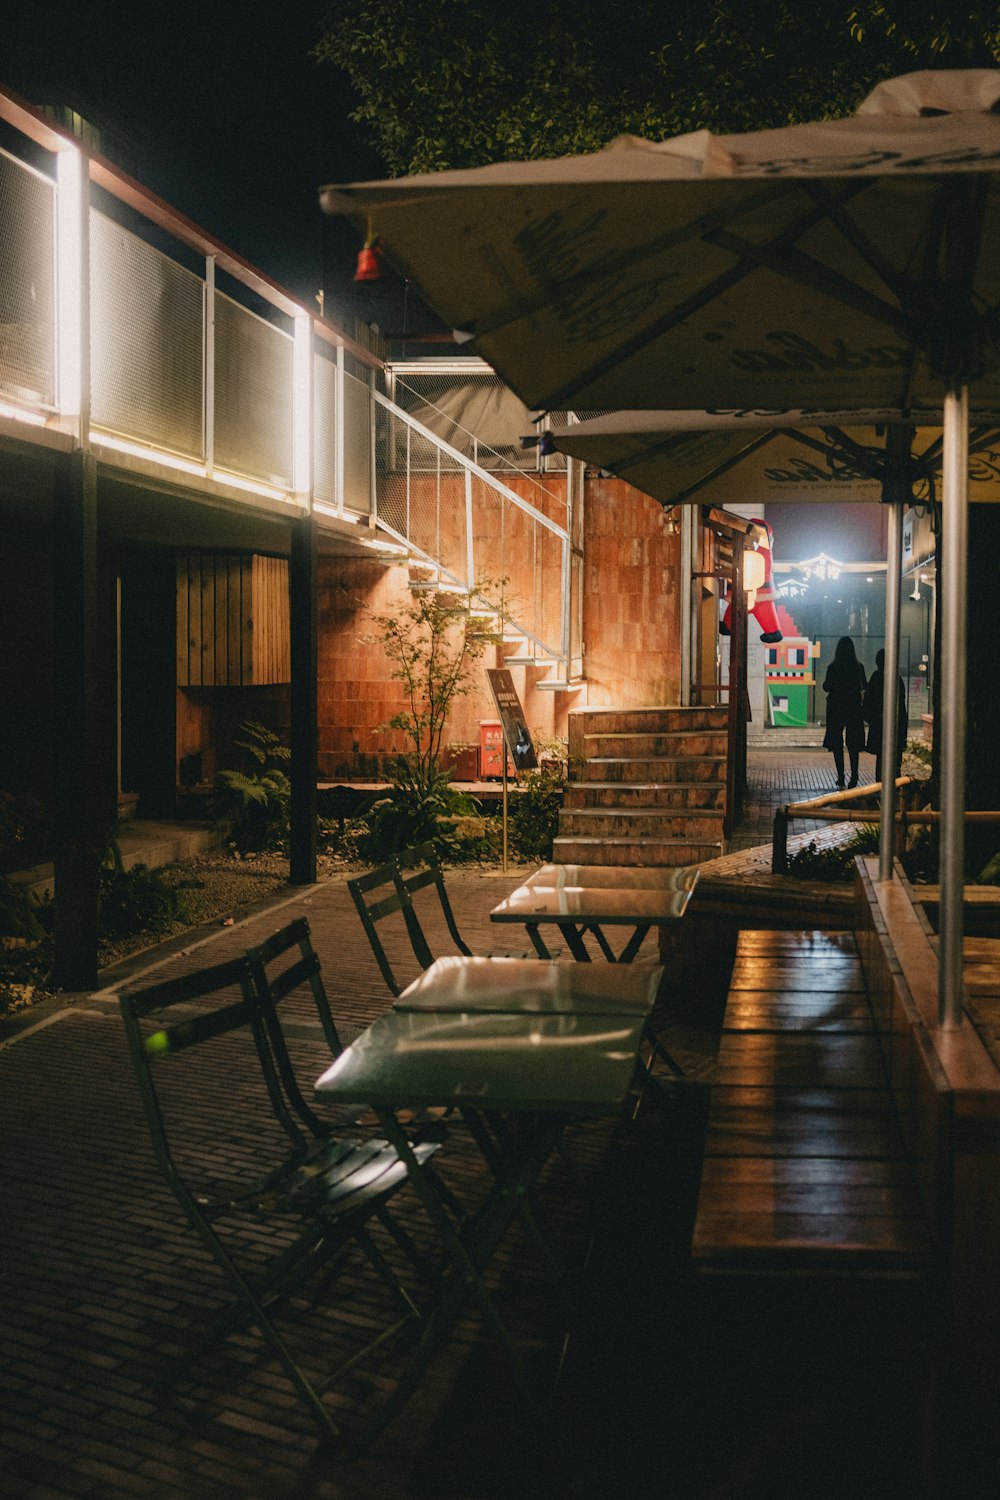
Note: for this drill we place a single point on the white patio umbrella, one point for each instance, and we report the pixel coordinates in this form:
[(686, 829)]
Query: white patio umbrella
[(847, 263), (767, 458)]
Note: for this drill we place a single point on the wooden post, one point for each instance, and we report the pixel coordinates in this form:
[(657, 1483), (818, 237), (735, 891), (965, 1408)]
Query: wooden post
[(85, 783), (779, 842), (302, 619)]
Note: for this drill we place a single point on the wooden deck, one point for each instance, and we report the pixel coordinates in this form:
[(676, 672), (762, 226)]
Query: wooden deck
[(805, 1167)]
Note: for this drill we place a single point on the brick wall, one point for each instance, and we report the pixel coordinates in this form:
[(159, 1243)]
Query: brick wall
[(631, 598), (631, 634)]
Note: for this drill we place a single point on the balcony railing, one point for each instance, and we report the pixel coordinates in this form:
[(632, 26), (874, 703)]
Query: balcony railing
[(130, 329)]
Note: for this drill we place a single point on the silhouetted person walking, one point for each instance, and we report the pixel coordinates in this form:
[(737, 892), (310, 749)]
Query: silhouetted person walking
[(872, 709), (844, 686)]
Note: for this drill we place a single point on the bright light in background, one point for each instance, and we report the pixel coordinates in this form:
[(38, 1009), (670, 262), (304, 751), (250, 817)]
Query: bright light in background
[(302, 415), (70, 182)]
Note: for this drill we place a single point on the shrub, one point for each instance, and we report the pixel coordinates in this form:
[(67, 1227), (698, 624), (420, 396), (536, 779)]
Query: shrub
[(834, 863), (24, 833), (533, 813), (253, 809), (135, 900), (418, 808)]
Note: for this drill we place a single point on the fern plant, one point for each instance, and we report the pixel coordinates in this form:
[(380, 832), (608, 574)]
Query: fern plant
[(252, 808)]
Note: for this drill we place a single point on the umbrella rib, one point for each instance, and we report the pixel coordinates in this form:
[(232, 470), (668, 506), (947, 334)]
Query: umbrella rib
[(839, 442), (794, 265), (557, 400), (724, 467), (611, 264), (660, 450)]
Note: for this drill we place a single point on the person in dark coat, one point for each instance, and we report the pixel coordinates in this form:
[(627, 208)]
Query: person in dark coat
[(844, 686), (872, 709)]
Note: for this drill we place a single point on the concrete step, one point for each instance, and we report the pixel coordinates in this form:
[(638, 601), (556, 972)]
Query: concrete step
[(573, 850), (638, 794), (142, 841), (671, 743), (663, 770), (641, 822), (648, 720)]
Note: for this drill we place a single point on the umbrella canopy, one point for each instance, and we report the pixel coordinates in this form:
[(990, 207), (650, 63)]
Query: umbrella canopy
[(770, 457), (846, 263)]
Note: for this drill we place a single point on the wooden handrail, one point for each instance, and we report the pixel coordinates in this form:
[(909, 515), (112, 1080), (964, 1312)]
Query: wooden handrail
[(822, 809)]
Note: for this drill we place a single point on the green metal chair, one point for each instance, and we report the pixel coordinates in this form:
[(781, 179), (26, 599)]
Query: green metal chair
[(314, 1195), (383, 892)]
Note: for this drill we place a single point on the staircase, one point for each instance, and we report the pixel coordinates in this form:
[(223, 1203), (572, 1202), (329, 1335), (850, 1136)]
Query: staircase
[(647, 787)]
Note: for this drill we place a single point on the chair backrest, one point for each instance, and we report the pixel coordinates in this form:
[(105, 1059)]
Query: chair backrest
[(420, 868), (284, 962), (379, 894), (196, 1025)]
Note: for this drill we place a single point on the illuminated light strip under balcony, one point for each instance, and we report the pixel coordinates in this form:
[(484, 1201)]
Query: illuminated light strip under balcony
[(189, 466), (18, 414), (136, 450)]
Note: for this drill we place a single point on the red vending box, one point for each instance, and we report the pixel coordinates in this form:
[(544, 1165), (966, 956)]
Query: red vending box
[(491, 751)]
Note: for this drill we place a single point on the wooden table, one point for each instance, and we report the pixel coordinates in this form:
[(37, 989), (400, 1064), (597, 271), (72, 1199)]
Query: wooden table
[(579, 899)]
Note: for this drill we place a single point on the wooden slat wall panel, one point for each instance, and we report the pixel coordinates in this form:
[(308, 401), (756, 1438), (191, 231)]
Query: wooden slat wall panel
[(207, 678), (183, 626), (232, 620), (246, 619)]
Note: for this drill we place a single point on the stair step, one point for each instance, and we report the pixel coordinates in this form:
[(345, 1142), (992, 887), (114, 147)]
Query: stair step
[(642, 822), (669, 743), (633, 851), (639, 794), (663, 770), (560, 685), (651, 720)]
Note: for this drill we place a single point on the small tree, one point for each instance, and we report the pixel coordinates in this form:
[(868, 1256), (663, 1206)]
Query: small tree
[(432, 645)]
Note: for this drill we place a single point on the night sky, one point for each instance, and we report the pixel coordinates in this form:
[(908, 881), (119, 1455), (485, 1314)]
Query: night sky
[(226, 116)]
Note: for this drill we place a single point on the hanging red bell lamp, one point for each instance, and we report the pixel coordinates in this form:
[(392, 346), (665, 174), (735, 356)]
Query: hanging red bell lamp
[(369, 267)]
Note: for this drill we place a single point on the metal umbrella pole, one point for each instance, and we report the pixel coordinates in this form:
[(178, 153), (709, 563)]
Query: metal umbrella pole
[(954, 613), (890, 689)]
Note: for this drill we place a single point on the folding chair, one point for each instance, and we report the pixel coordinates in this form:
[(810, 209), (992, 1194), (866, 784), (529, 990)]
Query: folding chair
[(390, 889), (378, 895), (275, 978), (315, 1197)]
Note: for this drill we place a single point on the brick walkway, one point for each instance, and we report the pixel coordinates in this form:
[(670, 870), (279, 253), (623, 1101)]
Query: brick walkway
[(673, 1387)]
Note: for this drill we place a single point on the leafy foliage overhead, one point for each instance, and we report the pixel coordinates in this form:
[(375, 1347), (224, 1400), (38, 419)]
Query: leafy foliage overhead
[(455, 83)]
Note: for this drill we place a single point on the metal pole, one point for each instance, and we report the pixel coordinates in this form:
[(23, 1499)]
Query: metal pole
[(955, 539), (685, 595), (890, 688), (503, 752)]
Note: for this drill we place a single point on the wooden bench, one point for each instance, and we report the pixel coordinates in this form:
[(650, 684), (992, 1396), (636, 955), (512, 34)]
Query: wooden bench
[(827, 1121)]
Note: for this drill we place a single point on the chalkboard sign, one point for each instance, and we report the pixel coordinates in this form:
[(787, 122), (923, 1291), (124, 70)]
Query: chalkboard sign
[(515, 731)]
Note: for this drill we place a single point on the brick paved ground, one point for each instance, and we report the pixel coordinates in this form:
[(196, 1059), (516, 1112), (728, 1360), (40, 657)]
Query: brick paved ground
[(672, 1387)]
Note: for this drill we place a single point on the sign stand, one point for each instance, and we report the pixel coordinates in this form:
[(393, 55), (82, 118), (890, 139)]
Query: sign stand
[(503, 862)]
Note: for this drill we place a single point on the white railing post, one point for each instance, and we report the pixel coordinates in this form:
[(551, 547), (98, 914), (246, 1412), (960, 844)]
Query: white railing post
[(470, 559), (302, 410), (338, 423), (208, 384), (73, 292)]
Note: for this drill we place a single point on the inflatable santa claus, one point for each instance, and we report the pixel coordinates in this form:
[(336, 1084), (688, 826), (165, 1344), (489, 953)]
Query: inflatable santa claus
[(760, 601)]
